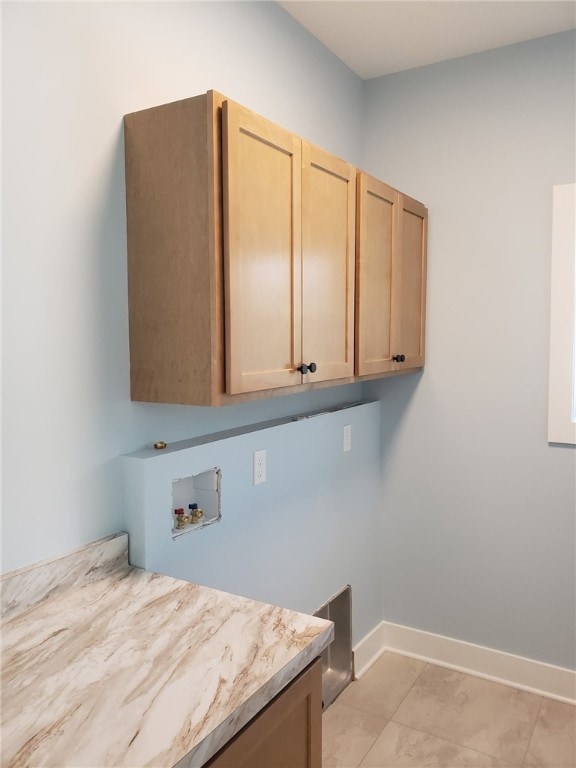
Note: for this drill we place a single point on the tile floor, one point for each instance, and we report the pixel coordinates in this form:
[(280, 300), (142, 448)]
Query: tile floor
[(404, 713)]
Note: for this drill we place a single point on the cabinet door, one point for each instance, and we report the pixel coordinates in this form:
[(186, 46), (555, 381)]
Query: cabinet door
[(262, 251), (409, 298), (391, 278), (328, 257), (378, 266), (286, 734)]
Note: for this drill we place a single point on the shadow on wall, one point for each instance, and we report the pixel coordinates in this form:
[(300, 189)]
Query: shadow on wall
[(395, 395), (110, 323)]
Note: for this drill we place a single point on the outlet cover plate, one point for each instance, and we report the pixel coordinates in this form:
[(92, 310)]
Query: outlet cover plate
[(347, 437), (259, 467)]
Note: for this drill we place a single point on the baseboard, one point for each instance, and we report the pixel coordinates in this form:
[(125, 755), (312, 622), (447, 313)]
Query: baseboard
[(368, 650), (506, 668)]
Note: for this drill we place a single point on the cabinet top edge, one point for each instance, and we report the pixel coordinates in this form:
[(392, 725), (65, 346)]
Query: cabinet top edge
[(407, 198), (214, 97)]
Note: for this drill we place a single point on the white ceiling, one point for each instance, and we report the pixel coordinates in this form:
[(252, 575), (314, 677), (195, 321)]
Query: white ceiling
[(378, 37)]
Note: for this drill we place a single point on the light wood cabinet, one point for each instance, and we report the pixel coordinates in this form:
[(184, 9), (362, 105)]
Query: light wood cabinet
[(328, 263), (241, 241), (259, 264), (286, 734), (390, 280), (175, 268), (262, 252)]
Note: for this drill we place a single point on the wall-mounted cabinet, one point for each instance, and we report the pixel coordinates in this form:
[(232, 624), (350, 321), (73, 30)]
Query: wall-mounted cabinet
[(174, 232), (241, 259), (390, 279), (288, 257)]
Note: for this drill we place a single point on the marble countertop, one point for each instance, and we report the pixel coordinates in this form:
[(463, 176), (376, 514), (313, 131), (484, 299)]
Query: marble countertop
[(107, 665)]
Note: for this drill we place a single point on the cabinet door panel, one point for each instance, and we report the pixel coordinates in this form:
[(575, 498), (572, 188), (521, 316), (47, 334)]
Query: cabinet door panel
[(286, 734), (262, 252), (411, 302), (328, 244), (377, 269)]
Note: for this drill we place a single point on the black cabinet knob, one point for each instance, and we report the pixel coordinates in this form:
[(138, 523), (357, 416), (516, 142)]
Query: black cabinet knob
[(310, 368), (399, 358)]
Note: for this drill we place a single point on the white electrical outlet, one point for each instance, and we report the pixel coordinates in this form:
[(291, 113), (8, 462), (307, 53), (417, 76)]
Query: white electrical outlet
[(259, 467), (347, 437)]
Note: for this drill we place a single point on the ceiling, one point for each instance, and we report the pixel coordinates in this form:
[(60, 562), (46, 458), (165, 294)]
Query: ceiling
[(379, 37)]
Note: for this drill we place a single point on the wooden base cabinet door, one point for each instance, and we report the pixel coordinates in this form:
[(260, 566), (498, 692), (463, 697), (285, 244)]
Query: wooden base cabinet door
[(262, 251), (328, 264), (286, 734), (390, 279)]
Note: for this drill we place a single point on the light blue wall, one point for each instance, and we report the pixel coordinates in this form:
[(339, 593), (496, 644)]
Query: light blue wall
[(71, 71), (479, 510), (295, 540)]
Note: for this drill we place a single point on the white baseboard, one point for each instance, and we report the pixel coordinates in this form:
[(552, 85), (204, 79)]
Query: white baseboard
[(369, 650), (527, 674)]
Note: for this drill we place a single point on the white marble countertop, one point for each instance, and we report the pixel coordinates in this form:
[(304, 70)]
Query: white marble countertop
[(108, 665)]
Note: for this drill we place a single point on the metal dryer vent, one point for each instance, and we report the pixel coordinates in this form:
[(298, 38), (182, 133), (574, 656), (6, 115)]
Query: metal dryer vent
[(337, 662)]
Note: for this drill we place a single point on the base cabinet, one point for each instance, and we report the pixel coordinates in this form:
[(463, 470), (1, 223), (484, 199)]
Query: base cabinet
[(286, 734)]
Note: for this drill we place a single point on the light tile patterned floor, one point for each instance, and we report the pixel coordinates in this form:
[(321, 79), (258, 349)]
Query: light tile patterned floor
[(405, 713)]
